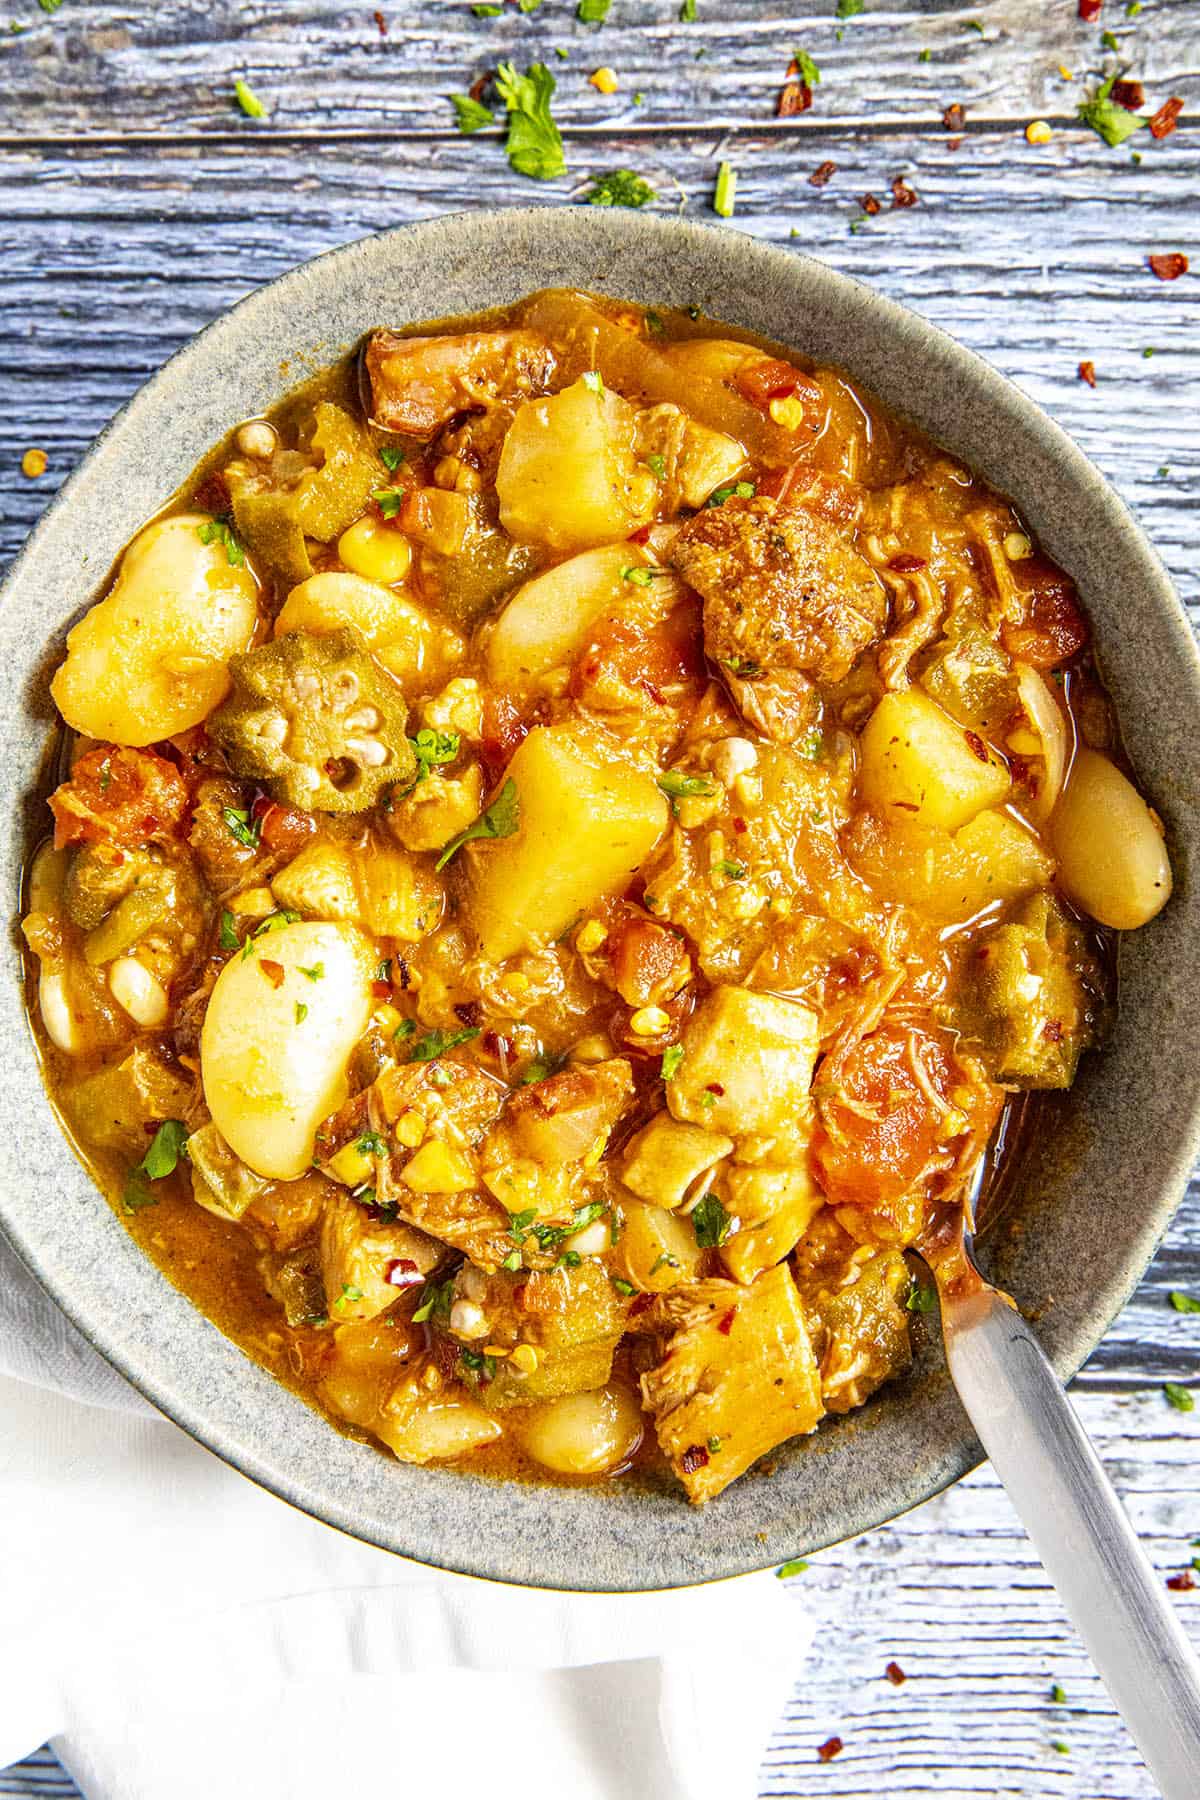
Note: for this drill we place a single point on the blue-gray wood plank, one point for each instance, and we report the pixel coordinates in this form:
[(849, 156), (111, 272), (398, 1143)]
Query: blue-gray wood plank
[(136, 204)]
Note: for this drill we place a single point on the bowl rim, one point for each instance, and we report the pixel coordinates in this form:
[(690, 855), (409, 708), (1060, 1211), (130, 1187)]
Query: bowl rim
[(193, 1404)]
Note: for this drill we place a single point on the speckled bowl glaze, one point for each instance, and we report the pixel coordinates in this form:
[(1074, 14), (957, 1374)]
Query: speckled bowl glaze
[(1112, 1156)]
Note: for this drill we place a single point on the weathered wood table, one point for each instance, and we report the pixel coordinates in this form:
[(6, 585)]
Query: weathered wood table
[(137, 202)]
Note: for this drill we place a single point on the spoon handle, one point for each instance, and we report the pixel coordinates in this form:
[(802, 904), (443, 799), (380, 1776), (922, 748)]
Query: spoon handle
[(1081, 1532)]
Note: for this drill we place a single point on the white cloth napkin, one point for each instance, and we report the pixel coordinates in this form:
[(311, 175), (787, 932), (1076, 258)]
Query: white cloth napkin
[(178, 1633)]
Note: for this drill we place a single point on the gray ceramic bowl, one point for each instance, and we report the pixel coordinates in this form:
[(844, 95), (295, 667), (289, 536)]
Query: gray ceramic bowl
[(1113, 1156)]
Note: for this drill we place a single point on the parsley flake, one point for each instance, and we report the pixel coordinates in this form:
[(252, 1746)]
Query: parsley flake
[(711, 1223), (1181, 1398), (786, 1570), (687, 12), (437, 1297), (534, 143), (849, 9), (1108, 120), (241, 826), (1184, 1303), (593, 381), (657, 467), (436, 1043), (301, 1012), (470, 116), (725, 192), (432, 748), (642, 574), (388, 500), (741, 490), (220, 531), (810, 75), (227, 938), (500, 820), (922, 1298), (1058, 1695), (683, 787), (622, 1286), (672, 1061), (391, 456), (735, 871), (593, 12), (316, 973), (621, 187)]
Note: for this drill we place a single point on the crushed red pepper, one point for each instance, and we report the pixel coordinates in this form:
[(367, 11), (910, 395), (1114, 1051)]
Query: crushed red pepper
[(902, 194), (1182, 1583), (1087, 372), (1090, 9), (905, 563), (830, 1748), (895, 1674), (954, 117), (1129, 94), (1166, 118), (381, 22), (1168, 265), (870, 204), (821, 174), (794, 97), (274, 971)]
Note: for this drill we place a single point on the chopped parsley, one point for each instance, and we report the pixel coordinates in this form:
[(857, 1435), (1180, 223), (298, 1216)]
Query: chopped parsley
[(687, 12), (641, 574), (227, 938), (388, 500), (534, 142), (436, 1043), (1181, 1398), (672, 1061), (734, 870), (725, 192), (664, 1261), (1184, 1303), (437, 1297), (683, 787), (160, 1160), (1058, 1695), (711, 1223), (471, 115), (1063, 1749), (796, 1567), (1110, 42), (384, 971), (593, 12), (499, 820), (246, 830), (487, 12), (349, 1293), (248, 100), (811, 745), (404, 1029), (810, 75), (50, 6), (922, 1298), (621, 187), (301, 1012), (741, 490), (657, 467), (219, 531), (1108, 120), (370, 1144), (714, 1445), (432, 748), (622, 1286), (551, 1237), (512, 1262), (478, 1365), (593, 381), (315, 973), (654, 323), (849, 9), (391, 456)]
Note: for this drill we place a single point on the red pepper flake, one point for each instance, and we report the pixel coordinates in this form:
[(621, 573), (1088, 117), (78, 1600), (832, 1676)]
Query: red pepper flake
[(794, 97), (274, 971), (1090, 9), (830, 1748), (714, 1087), (381, 22), (870, 204), (1165, 119), (902, 194), (895, 1674), (955, 116), (381, 989), (481, 84), (1181, 1584), (826, 170), (1087, 372), (976, 745), (401, 1273), (725, 1322), (694, 1457), (904, 564), (1129, 94), (1052, 1031), (1168, 265), (740, 825)]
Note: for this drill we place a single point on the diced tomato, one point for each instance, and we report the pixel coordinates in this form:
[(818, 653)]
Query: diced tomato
[(622, 658), (281, 827), (1053, 628), (649, 963), (122, 796), (878, 1126), (504, 728), (771, 379)]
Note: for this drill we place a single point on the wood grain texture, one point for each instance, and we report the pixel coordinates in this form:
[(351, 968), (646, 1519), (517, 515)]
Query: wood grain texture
[(136, 204)]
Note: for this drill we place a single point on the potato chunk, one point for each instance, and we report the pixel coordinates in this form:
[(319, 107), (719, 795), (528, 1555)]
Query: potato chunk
[(546, 623), (949, 877), (737, 1378), (667, 1156), (657, 1249), (359, 1257), (151, 659), (589, 818), (569, 475), (917, 758), (747, 1064), (774, 1208)]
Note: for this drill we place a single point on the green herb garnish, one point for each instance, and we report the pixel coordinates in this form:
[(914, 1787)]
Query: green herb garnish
[(500, 820), (734, 870), (389, 500), (534, 143), (246, 830), (922, 1298), (810, 75), (391, 456), (1181, 1398), (711, 1223), (621, 188), (301, 1012), (657, 466), (315, 973), (219, 531), (622, 1286), (687, 12), (672, 1061), (1058, 1695), (725, 192), (683, 787), (437, 1297), (1111, 122), (593, 381), (227, 937), (593, 12), (248, 100), (432, 748), (641, 574), (471, 116), (796, 1567), (1184, 1303)]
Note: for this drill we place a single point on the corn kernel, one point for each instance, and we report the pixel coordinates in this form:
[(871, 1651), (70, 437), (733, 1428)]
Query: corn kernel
[(253, 903), (496, 1350), (518, 983), (33, 463), (376, 551), (605, 80), (1017, 546), (590, 937), (649, 1021), (1038, 132), (1065, 72), (788, 412), (410, 1129), (524, 1359), (596, 1047), (437, 1169), (387, 1019), (749, 791), (350, 1166)]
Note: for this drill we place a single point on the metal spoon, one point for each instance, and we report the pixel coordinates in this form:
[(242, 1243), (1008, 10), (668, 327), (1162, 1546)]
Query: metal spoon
[(1078, 1527)]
